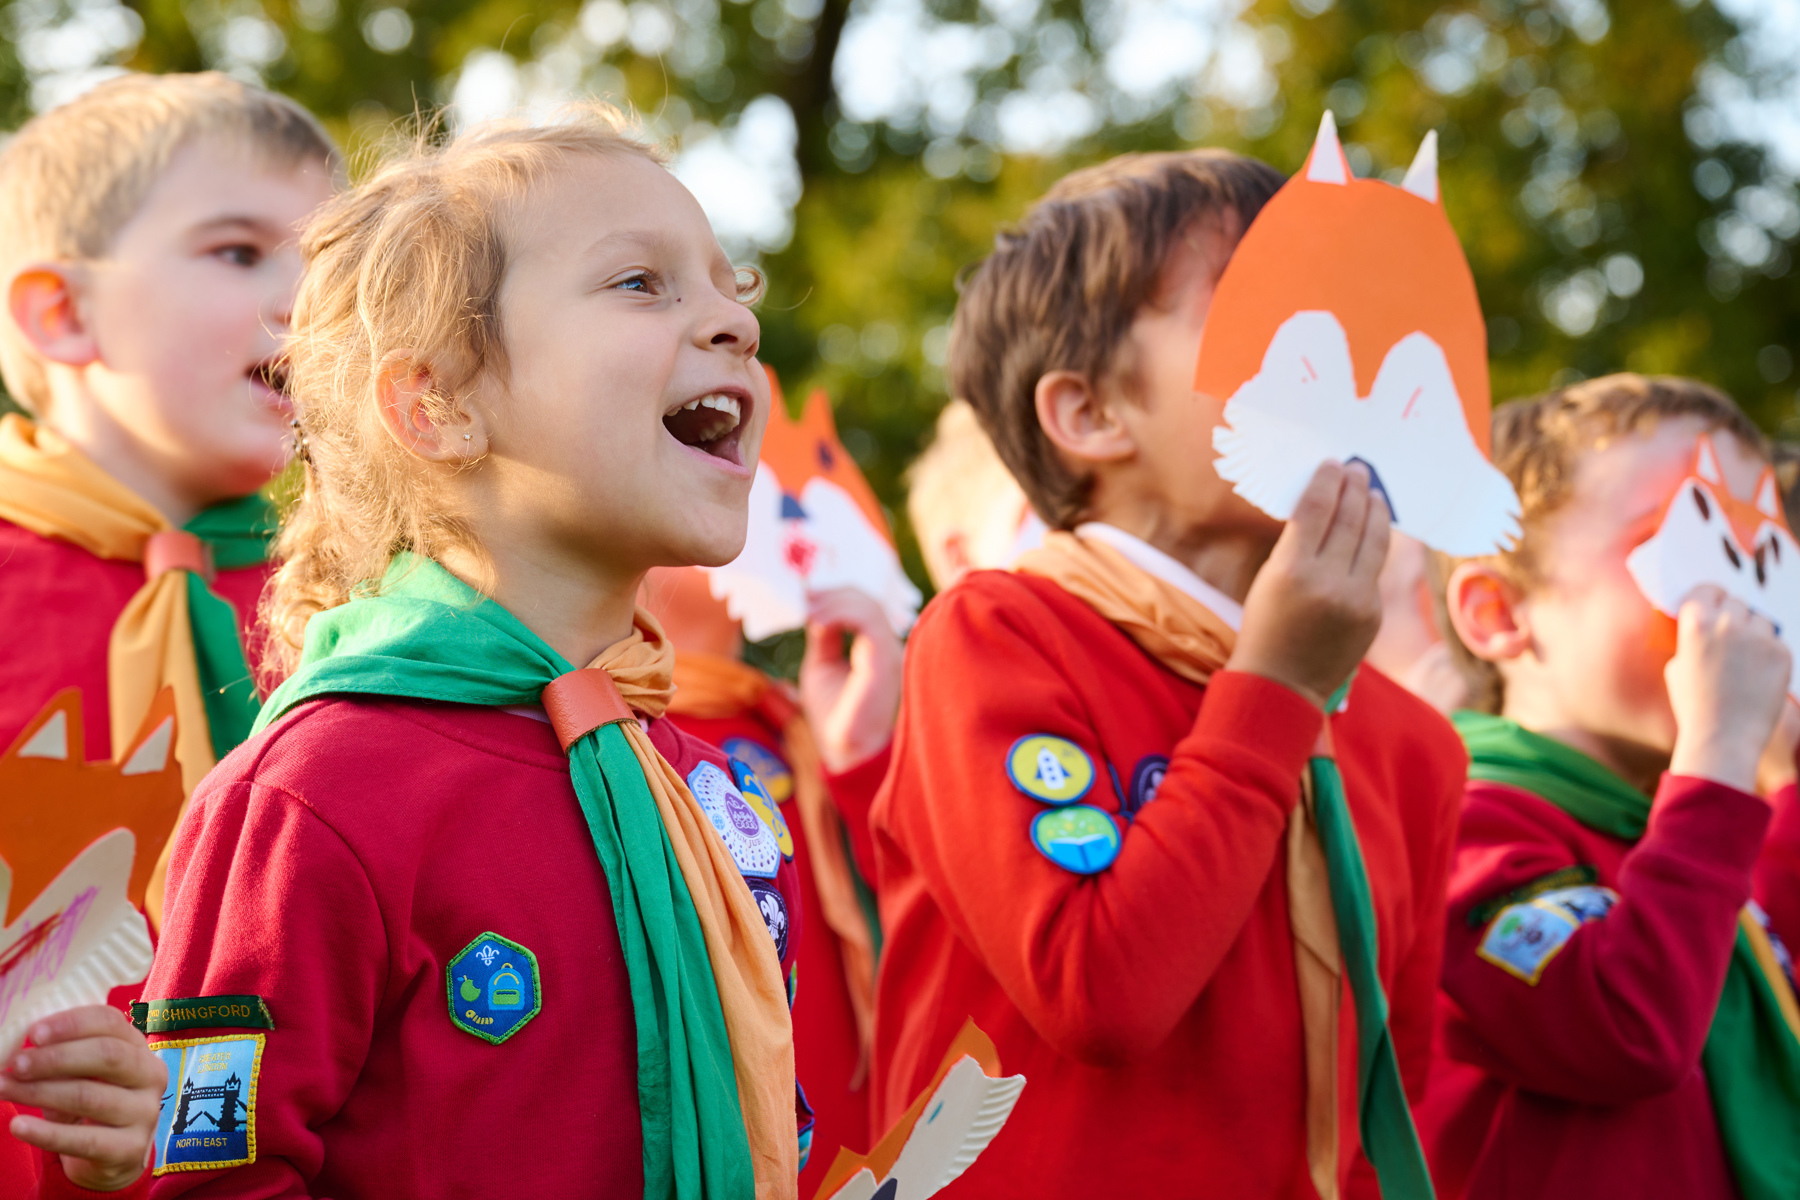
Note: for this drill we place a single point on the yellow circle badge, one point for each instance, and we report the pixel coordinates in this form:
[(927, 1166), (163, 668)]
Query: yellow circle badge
[(1052, 769)]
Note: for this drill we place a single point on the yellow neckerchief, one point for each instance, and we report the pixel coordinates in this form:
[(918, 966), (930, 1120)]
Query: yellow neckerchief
[(710, 687), (52, 489), (1188, 638), (752, 993)]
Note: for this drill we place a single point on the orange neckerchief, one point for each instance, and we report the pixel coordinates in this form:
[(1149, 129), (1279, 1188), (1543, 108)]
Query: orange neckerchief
[(709, 687), (1188, 638)]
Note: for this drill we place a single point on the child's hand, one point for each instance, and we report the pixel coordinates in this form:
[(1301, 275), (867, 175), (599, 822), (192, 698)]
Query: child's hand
[(1315, 605), (99, 1086), (1777, 768), (850, 702), (1727, 684)]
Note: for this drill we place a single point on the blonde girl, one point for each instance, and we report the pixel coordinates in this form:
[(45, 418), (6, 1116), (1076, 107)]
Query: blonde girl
[(480, 921)]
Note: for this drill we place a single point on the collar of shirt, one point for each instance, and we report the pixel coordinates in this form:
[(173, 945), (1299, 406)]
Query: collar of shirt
[(1146, 557)]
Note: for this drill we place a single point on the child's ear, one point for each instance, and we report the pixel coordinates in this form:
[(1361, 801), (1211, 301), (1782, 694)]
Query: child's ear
[(415, 415), (44, 300), (1484, 609), (1078, 421)]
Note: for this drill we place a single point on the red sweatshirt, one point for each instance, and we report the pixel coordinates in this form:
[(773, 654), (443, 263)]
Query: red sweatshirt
[(58, 604), (27, 1173), (1778, 870), (1587, 1082), (825, 1044), (337, 866), (1151, 1006)]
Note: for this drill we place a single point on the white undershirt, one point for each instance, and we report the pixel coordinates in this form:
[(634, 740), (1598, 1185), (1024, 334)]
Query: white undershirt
[(1148, 558)]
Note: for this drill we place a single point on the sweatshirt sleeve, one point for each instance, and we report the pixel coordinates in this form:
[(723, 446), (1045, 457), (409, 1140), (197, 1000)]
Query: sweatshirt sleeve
[(853, 791), (267, 900), (1608, 999), (1778, 870), (1103, 965)]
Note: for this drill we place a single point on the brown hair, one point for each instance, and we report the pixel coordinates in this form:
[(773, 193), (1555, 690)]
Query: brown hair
[(414, 258), (1062, 288), (72, 178), (1538, 442)]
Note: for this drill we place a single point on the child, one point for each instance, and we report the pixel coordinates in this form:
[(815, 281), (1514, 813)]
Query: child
[(460, 909), (967, 511), (1091, 839), (1409, 649), (90, 1071), (821, 756), (1610, 829), (147, 243)]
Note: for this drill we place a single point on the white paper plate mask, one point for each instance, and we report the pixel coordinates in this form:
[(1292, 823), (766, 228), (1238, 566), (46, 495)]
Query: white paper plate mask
[(1707, 535), (814, 525), (1346, 327)]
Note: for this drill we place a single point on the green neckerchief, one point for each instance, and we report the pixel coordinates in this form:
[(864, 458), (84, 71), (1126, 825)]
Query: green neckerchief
[(425, 635), (1384, 1117), (239, 534), (1752, 1058)]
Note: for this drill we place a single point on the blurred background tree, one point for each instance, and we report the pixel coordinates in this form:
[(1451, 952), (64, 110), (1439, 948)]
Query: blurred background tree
[(1622, 174)]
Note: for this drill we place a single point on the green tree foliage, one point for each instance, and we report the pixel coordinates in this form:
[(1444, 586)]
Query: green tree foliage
[(1614, 213)]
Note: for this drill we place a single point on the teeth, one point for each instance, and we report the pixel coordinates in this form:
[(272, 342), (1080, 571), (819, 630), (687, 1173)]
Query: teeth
[(690, 406)]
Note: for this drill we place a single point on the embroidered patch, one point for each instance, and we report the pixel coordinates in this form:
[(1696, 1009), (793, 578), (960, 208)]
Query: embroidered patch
[(202, 1012), (1574, 876), (494, 987), (763, 802), (1052, 769), (1081, 838), (1146, 777), (208, 1114), (1525, 937), (751, 841), (773, 906), (766, 763)]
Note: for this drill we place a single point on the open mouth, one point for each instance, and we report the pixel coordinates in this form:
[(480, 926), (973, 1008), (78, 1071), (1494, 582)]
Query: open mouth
[(271, 373), (710, 424)]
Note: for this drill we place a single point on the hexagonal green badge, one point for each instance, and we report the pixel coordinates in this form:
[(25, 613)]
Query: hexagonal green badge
[(494, 987)]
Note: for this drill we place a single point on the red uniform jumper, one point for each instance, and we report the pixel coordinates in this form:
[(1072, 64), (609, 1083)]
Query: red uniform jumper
[(1588, 1082), (27, 1173), (1152, 1007), (825, 1042), (334, 865), (58, 604), (1778, 870)]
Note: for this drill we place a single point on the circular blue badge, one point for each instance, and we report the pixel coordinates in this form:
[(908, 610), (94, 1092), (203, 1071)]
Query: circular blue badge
[(1049, 768), (1079, 838), (1146, 778)]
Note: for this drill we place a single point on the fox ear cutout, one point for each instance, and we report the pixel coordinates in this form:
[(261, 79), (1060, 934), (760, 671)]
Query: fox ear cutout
[(1706, 462), (1422, 177), (55, 733), (1768, 497), (154, 749), (1327, 164)]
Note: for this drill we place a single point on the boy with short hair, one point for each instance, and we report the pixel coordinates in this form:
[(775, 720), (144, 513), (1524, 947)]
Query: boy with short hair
[(1092, 839), (1615, 1020), (147, 246)]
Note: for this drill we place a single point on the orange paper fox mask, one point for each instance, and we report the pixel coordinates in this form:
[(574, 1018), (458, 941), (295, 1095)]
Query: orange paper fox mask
[(1346, 327), (1708, 535), (814, 524)]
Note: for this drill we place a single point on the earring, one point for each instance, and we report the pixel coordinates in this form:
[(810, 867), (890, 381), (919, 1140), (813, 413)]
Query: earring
[(465, 437)]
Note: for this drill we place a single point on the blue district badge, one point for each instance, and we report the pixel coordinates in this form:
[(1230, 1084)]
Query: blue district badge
[(775, 776), (494, 987), (1051, 769), (1146, 779), (773, 907), (1080, 838), (764, 802), (208, 1115)]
